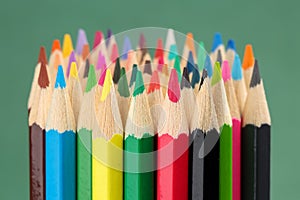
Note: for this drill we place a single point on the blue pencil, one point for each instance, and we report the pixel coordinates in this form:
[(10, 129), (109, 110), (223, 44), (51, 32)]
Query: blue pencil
[(60, 145)]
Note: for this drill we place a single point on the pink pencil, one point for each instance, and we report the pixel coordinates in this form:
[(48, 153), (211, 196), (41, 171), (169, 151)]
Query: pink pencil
[(236, 131)]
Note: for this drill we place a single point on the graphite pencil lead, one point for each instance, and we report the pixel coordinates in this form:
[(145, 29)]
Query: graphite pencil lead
[(255, 79), (85, 51), (81, 41), (97, 38), (177, 67), (42, 55), (72, 59), (204, 76), (123, 88), (91, 81), (67, 45), (185, 81), (148, 67), (231, 44), (117, 71), (237, 73), (219, 57), (173, 87), (226, 74), (217, 75), (195, 77), (43, 79), (248, 60), (87, 68), (217, 41), (208, 66), (190, 64), (60, 78), (133, 75), (107, 85), (126, 48), (139, 84), (154, 82), (55, 45)]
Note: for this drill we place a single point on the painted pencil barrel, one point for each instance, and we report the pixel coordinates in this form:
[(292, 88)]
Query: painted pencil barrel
[(139, 174), (236, 159), (37, 162), (60, 165), (84, 164)]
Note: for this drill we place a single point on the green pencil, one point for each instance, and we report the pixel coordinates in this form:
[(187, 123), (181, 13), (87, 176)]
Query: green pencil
[(225, 124)]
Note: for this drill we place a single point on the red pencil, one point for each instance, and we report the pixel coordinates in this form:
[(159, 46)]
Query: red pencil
[(172, 155)]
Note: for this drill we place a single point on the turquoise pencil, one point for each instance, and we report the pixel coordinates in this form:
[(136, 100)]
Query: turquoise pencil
[(60, 144)]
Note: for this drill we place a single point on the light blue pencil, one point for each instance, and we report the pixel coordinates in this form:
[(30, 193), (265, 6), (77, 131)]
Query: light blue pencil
[(60, 145)]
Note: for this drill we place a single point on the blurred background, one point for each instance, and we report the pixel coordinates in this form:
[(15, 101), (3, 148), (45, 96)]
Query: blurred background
[(272, 26)]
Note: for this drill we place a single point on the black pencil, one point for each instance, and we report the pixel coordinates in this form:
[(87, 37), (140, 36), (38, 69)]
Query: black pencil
[(256, 142)]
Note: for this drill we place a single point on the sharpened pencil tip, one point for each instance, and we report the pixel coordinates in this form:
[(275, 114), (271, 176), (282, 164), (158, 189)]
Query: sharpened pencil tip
[(97, 38), (154, 82), (237, 72), (195, 77), (72, 59), (177, 67), (133, 75), (173, 87), (204, 76), (42, 55), (43, 79), (148, 67), (117, 71), (190, 64), (208, 66), (255, 79), (126, 48), (107, 85), (101, 63), (217, 75), (91, 80), (102, 77), (73, 70), (55, 45), (123, 88), (219, 57), (226, 74), (81, 41), (139, 84), (60, 78), (217, 41), (86, 69), (85, 51), (231, 45), (248, 60), (67, 45), (185, 80)]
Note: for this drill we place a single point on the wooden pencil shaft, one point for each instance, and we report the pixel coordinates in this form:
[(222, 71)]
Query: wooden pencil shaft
[(37, 162)]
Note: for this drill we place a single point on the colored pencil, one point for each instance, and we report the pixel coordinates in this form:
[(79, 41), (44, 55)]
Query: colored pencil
[(170, 48), (86, 120), (117, 72), (256, 142), (126, 48), (75, 90), (225, 124), (147, 73), (195, 79), (230, 52), (41, 59), (201, 56), (177, 67), (204, 154), (81, 42), (173, 139), (138, 147), (60, 144), (248, 64), (83, 74), (123, 96), (239, 83), (217, 45), (236, 131), (37, 123), (55, 59), (107, 144), (67, 49), (133, 78), (188, 47)]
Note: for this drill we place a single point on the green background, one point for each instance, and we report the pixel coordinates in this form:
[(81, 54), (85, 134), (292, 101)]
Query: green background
[(272, 26)]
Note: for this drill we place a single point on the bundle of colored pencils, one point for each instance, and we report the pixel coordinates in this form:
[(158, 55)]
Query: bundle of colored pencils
[(148, 126)]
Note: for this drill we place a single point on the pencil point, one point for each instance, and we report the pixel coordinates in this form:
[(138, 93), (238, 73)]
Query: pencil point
[(73, 71), (219, 57), (67, 45), (55, 45), (72, 58), (249, 59), (107, 85), (190, 41), (97, 38), (142, 41), (139, 84), (87, 68), (208, 66), (201, 56), (60, 78), (102, 77), (195, 77), (101, 64), (237, 73), (173, 87), (190, 64), (148, 67), (117, 72), (159, 52), (185, 80), (108, 36), (126, 48), (91, 81), (85, 51), (161, 63), (231, 45), (133, 75), (226, 74), (170, 40), (217, 75), (204, 76), (43, 79), (154, 82), (81, 41), (217, 41), (123, 84), (42, 55), (255, 79), (114, 53), (173, 52), (177, 67)]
